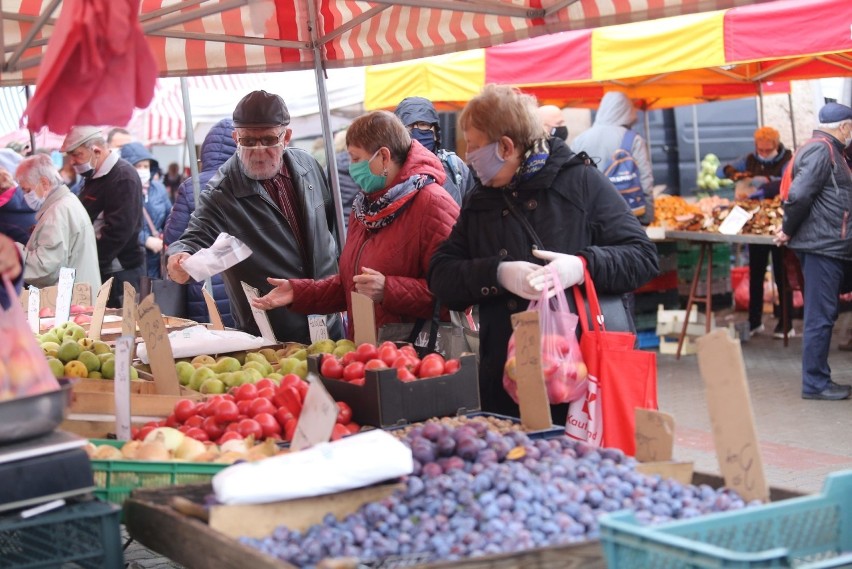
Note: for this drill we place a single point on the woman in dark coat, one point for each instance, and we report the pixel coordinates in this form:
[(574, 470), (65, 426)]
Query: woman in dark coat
[(217, 147), (574, 210)]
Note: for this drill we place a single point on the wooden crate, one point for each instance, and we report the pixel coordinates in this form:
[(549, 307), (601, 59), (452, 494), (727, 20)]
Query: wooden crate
[(97, 396)]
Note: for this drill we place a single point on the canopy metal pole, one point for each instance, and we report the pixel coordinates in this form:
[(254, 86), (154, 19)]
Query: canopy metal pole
[(328, 135), (647, 123), (792, 118), (189, 131), (760, 108), (695, 138), (32, 134)]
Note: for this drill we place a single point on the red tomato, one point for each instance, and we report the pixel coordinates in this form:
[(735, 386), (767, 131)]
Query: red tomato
[(347, 358), (268, 425), (366, 352), (232, 426), (353, 427), (183, 429), (360, 381), (290, 400), (266, 393), (213, 429), (184, 409), (344, 413), (250, 428), (198, 434), (171, 421), (290, 379), (375, 364), (409, 351), (261, 405), (229, 436), (431, 366), (355, 370), (227, 396), (388, 353), (245, 391), (302, 388), (227, 411), (403, 374), (290, 429), (134, 433), (264, 383), (403, 362), (339, 431), (243, 406), (194, 421), (143, 432), (282, 415), (331, 367), (452, 366)]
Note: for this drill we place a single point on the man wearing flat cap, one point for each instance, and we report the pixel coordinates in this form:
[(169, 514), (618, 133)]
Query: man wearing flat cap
[(276, 200), (112, 196), (818, 228)]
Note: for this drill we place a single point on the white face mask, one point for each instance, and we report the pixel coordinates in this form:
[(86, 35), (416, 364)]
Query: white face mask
[(144, 175), (34, 200)]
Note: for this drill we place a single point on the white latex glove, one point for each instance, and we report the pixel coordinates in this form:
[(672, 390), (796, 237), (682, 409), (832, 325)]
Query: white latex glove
[(514, 277), (568, 267), (155, 244)]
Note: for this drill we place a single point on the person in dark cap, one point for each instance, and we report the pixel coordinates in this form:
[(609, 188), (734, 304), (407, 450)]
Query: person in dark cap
[(421, 119), (275, 199), (817, 226), (112, 196)]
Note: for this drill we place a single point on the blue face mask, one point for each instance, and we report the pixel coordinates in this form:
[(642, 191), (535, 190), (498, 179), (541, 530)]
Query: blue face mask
[(486, 162), (361, 174), (424, 137)]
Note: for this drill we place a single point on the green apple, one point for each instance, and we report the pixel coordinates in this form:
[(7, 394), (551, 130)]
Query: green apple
[(199, 376), (212, 386), (184, 372)]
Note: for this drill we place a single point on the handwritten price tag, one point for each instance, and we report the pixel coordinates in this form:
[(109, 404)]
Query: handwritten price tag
[(319, 413), (153, 332), (100, 310), (654, 435), (317, 327), (123, 349), (33, 304), (532, 395), (260, 316), (63, 294)]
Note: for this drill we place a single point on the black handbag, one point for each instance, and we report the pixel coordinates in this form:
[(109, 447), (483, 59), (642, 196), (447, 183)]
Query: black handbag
[(613, 306), (445, 338)]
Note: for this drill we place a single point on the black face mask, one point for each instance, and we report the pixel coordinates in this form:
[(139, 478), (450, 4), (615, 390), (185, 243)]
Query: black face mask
[(559, 132)]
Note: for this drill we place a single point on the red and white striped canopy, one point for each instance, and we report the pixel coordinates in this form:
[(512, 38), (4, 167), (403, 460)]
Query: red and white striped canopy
[(204, 37)]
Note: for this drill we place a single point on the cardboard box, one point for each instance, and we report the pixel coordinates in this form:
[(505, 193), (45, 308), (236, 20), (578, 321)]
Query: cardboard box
[(385, 401)]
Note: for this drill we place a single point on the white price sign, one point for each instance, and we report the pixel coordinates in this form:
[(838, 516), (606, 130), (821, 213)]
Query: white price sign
[(260, 316), (319, 414), (317, 327), (123, 349), (33, 305), (63, 295)]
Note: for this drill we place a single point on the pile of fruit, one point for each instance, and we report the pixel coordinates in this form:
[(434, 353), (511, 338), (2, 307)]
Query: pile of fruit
[(258, 411), (475, 492), (166, 444), (70, 353), (352, 366), (707, 178), (211, 376), (80, 314)]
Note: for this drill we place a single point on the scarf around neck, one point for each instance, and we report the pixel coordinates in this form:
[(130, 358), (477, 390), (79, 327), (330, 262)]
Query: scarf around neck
[(381, 212), (533, 161)]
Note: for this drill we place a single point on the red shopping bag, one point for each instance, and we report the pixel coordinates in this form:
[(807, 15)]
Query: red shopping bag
[(627, 378)]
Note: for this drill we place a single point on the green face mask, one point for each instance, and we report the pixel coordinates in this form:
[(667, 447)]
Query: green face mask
[(361, 174)]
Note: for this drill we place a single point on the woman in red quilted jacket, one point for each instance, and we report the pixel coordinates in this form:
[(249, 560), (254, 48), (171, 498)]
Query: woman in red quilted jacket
[(398, 219)]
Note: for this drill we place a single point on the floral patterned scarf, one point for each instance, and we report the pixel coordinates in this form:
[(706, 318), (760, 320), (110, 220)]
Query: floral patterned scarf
[(381, 212), (533, 161)]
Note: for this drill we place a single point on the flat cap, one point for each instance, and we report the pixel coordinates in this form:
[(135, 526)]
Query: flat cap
[(834, 112), (260, 109), (79, 135)]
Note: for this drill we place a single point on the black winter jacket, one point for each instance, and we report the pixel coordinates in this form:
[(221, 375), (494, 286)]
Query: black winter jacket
[(574, 209), (241, 207), (818, 215)]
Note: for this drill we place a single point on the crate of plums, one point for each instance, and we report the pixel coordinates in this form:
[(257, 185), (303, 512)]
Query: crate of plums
[(384, 392)]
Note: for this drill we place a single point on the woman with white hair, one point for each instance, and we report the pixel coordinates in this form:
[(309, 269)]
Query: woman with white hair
[(63, 235)]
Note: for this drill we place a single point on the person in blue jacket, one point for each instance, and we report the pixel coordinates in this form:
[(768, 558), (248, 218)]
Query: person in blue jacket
[(217, 147), (16, 217), (156, 203)]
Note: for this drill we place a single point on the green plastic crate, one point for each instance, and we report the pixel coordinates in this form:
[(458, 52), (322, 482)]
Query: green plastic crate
[(116, 479), (84, 534), (810, 532)]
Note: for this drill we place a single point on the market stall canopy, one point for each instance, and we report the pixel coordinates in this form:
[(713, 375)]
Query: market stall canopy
[(668, 62), (204, 37)]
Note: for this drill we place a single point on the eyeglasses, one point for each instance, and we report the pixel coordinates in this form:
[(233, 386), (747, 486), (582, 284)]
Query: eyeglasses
[(421, 126), (271, 140)]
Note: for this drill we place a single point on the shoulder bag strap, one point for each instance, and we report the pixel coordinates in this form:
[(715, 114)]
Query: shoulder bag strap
[(537, 244), (433, 330), (150, 222)]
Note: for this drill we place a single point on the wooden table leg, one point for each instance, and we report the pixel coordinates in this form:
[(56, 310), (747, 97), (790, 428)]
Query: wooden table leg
[(706, 252)]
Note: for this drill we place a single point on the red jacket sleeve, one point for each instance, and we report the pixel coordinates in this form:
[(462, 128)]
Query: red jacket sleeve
[(324, 296)]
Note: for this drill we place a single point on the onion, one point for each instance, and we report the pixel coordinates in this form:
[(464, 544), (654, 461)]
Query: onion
[(154, 450), (206, 456), (189, 449), (90, 449), (240, 446), (230, 457), (172, 438), (130, 449), (107, 452)]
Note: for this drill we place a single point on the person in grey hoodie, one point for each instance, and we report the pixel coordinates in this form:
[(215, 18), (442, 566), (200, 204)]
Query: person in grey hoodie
[(615, 117)]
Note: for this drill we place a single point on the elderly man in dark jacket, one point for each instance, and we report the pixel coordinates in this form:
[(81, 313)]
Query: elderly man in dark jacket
[(818, 227), (217, 148), (276, 200), (490, 258)]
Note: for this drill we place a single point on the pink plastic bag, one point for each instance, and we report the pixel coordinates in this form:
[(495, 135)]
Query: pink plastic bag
[(561, 360), (23, 365)]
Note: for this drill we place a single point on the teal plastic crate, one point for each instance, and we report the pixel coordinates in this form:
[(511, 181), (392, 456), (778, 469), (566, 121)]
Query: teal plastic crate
[(810, 532), (84, 534)]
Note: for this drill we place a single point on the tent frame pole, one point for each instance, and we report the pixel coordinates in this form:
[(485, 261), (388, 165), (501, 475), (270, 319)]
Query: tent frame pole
[(328, 135), (760, 103), (696, 142), (792, 118), (189, 133)]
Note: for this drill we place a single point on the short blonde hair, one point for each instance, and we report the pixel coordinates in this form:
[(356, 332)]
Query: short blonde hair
[(500, 110), (767, 134)]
